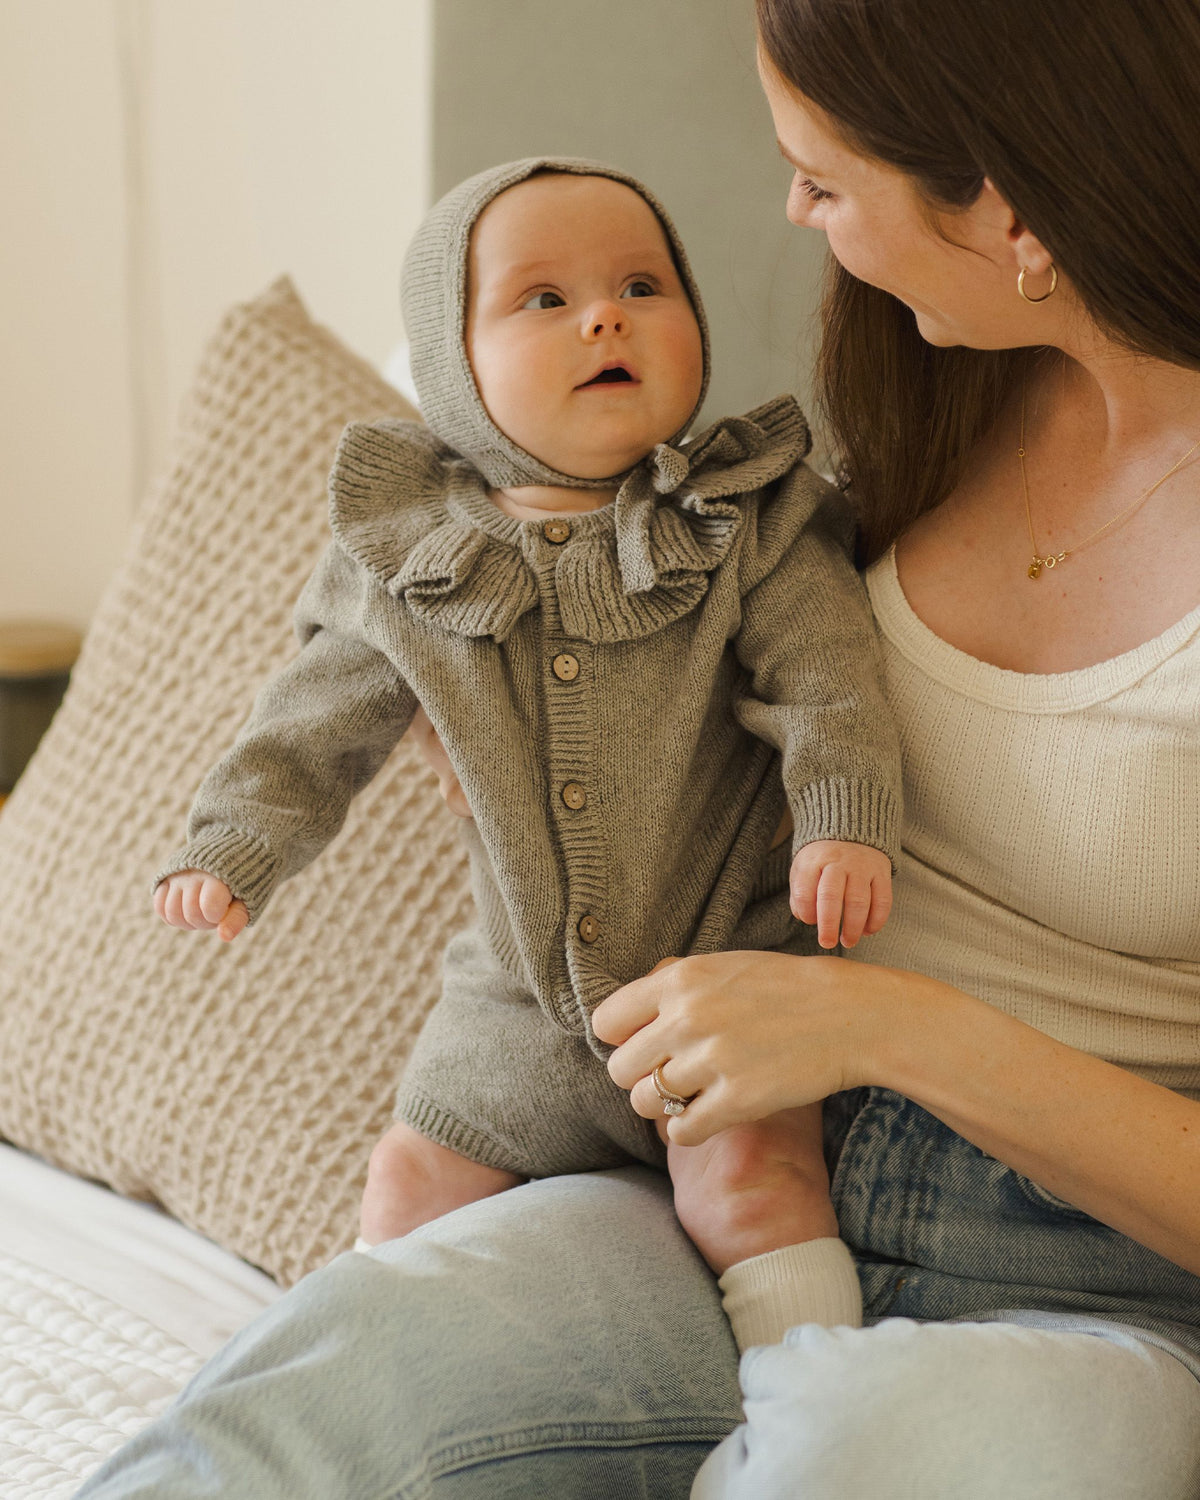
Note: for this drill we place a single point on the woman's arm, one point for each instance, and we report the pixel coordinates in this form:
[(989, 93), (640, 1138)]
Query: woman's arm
[(750, 1033)]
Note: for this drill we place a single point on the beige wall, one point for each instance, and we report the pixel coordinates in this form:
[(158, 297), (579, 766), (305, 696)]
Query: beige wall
[(160, 159)]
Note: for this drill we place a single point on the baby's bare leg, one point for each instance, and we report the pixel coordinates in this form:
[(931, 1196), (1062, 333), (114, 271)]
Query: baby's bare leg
[(753, 1188), (411, 1180), (755, 1200)]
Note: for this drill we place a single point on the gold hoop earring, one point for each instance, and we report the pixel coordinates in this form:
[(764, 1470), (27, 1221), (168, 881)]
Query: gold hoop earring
[(1042, 298)]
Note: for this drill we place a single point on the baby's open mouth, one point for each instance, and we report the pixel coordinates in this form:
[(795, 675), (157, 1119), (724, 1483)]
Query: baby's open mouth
[(610, 375)]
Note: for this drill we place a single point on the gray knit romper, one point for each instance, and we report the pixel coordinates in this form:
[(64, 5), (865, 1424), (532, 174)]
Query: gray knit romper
[(631, 698)]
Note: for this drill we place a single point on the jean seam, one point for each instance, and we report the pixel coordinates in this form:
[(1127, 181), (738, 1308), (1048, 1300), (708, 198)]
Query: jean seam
[(856, 1127), (1044, 1199), (549, 1436)]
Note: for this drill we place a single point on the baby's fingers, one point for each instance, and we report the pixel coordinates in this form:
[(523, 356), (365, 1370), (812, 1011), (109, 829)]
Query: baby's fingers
[(830, 895), (881, 906), (856, 910), (234, 920), (193, 897), (803, 879), (168, 902), (804, 895), (212, 900)]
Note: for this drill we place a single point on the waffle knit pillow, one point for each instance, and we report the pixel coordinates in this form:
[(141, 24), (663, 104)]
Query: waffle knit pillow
[(240, 1085)]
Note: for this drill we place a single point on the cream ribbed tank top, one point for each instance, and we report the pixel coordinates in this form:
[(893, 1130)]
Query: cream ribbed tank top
[(1051, 859)]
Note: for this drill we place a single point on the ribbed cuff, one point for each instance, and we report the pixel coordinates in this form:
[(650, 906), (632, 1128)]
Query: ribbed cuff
[(852, 812), (444, 1129), (240, 859), (815, 1282)]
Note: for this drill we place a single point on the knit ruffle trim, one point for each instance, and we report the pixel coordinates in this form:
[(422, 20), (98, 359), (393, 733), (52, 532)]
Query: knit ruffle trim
[(414, 513)]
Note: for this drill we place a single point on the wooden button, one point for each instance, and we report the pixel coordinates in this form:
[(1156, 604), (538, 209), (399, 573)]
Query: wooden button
[(589, 929), (566, 667), (574, 795), (556, 531)]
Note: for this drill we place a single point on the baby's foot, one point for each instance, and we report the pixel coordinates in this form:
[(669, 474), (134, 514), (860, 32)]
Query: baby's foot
[(754, 1188)]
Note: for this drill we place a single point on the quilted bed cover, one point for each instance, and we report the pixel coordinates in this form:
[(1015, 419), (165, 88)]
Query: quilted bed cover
[(107, 1308)]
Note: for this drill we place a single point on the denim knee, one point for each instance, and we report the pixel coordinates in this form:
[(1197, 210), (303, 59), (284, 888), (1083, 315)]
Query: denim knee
[(507, 1349), (939, 1411)]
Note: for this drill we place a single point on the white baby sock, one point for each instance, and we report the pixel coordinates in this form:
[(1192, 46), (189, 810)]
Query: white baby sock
[(815, 1282)]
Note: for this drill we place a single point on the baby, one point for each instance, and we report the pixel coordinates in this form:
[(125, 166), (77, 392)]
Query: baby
[(640, 654)]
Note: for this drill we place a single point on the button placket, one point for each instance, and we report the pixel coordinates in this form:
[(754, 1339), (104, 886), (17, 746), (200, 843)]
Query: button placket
[(570, 759)]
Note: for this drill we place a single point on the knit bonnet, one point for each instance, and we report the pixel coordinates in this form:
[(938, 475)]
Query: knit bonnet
[(434, 300)]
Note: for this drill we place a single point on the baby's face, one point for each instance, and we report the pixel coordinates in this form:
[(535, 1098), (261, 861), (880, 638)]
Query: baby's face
[(580, 334)]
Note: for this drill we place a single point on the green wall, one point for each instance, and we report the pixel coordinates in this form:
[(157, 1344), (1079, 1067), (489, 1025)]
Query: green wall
[(666, 89)]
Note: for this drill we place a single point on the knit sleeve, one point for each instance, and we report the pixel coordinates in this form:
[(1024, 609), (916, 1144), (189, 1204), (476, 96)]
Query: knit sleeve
[(814, 669), (318, 732)]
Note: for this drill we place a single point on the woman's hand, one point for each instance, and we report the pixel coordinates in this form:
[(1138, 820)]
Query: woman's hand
[(748, 1034), (425, 737), (752, 1033)]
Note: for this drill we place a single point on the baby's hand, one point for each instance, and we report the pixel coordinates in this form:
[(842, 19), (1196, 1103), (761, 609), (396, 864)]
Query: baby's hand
[(841, 886), (197, 900)]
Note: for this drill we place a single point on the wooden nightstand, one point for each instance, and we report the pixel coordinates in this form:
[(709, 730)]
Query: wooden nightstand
[(36, 657)]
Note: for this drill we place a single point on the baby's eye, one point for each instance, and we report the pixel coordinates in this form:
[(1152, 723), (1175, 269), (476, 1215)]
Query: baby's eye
[(640, 288), (543, 300)]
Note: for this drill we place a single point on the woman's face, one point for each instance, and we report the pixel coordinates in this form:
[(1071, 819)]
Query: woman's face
[(961, 283)]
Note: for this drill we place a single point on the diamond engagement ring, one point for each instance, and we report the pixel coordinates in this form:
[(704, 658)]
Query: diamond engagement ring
[(673, 1104)]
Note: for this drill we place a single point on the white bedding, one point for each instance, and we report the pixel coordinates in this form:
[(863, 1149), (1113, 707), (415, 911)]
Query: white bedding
[(107, 1308)]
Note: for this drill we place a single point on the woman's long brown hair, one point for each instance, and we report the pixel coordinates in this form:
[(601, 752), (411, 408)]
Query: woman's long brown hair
[(1085, 114)]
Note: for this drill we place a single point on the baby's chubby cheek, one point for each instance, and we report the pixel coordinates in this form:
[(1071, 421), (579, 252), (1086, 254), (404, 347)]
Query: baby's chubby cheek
[(528, 388), (684, 357), (518, 391), (535, 406)]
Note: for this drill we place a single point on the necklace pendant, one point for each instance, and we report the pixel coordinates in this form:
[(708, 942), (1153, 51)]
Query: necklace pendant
[(1035, 568)]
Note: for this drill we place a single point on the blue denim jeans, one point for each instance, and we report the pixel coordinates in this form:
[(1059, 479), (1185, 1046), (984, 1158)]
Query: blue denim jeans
[(564, 1339), (941, 1230)]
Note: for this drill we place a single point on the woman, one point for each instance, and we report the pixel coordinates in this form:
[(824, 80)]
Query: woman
[(1011, 368)]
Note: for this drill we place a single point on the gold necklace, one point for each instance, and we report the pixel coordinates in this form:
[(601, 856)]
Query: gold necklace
[(1038, 562)]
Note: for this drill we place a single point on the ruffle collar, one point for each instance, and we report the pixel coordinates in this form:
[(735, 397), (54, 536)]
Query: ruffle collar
[(418, 516)]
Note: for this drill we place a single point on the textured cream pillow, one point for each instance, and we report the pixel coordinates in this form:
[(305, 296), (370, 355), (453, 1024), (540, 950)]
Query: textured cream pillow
[(239, 1085)]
